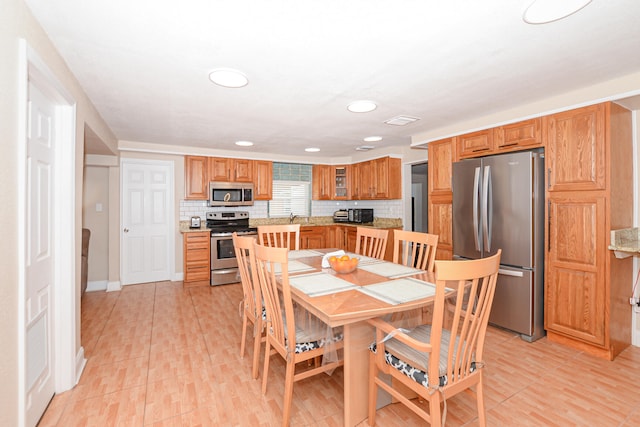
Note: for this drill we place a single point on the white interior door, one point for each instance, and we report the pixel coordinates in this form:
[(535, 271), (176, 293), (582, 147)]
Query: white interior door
[(147, 221), (40, 256)]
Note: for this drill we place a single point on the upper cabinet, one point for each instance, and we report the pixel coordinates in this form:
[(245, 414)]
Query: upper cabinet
[(263, 180), (518, 136), (378, 179), (576, 149), (200, 170), (321, 181), (502, 139), (196, 177), (475, 144), (231, 170)]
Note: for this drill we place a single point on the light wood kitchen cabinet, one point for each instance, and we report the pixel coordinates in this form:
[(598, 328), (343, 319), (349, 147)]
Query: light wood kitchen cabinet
[(378, 179), (441, 155), (196, 256), (475, 144), (576, 149), (354, 182), (341, 177), (589, 155), (321, 181), (263, 180), (196, 178), (230, 170), (313, 237), (518, 136)]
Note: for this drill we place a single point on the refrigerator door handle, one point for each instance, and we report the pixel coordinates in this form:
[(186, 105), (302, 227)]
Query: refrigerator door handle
[(510, 273), (487, 208), (476, 191)]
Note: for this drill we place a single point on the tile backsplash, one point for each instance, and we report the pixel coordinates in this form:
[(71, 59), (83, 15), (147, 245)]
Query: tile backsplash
[(382, 208)]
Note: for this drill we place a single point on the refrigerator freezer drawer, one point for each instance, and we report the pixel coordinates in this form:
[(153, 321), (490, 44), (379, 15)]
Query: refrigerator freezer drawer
[(513, 301)]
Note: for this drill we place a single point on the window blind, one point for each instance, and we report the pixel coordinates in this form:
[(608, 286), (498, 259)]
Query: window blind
[(290, 197)]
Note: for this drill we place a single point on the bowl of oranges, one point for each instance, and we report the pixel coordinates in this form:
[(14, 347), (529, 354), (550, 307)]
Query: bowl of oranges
[(343, 264)]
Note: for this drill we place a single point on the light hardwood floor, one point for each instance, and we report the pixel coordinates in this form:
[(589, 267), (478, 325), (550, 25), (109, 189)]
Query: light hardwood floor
[(162, 355)]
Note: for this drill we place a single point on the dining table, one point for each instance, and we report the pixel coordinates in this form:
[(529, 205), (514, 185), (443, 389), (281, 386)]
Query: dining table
[(374, 289)]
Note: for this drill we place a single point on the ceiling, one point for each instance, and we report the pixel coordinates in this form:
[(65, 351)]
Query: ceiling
[(145, 65)]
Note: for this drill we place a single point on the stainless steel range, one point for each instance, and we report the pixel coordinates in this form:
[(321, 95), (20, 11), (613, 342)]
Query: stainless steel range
[(224, 266)]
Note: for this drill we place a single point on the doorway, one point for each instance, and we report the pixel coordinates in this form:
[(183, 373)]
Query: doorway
[(47, 240), (419, 198)]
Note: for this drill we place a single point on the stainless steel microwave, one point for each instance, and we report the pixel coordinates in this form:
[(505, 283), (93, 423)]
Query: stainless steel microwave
[(230, 194)]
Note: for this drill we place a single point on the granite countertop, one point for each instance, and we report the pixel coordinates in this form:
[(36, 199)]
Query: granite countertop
[(625, 240), (304, 222)]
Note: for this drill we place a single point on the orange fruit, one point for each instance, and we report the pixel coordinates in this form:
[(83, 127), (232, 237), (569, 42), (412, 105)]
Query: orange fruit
[(344, 258), (333, 258)]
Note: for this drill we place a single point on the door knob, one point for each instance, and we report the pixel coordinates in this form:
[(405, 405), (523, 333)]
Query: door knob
[(126, 230)]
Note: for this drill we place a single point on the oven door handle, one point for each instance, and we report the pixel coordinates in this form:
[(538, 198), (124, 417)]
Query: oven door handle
[(225, 271)]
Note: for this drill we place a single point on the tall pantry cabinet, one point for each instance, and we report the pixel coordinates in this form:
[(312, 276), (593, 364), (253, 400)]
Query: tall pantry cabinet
[(589, 192), (441, 155)]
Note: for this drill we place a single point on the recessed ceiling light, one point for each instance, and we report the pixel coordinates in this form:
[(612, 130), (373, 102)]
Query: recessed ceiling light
[(362, 106), (244, 143), (228, 78), (365, 148), (372, 139), (312, 150), (545, 11)]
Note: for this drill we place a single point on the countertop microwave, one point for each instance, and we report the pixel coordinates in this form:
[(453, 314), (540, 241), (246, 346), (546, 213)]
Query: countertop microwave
[(230, 193)]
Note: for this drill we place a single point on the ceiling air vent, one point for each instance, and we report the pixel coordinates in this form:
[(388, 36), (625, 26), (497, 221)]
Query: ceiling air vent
[(401, 120)]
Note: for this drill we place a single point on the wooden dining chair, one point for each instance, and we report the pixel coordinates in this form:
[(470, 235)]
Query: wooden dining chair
[(251, 307), (280, 236), (285, 333), (371, 242), (415, 249), (441, 359)]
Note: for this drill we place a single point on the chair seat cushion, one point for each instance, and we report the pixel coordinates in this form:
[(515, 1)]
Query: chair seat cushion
[(413, 363)]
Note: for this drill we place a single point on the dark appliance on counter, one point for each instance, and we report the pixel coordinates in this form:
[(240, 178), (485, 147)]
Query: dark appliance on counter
[(230, 194), (498, 203), (341, 215), (360, 216), (224, 266)]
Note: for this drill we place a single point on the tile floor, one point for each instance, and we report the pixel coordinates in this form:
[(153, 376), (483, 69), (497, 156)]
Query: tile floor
[(161, 355)]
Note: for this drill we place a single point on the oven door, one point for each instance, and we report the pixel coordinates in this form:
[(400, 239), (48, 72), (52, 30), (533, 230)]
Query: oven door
[(224, 266)]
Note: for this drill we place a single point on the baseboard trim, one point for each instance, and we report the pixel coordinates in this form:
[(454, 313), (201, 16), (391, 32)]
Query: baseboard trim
[(81, 362), (96, 285), (114, 286)]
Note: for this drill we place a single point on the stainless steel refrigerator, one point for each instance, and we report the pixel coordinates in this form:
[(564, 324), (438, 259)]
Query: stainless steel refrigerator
[(498, 203)]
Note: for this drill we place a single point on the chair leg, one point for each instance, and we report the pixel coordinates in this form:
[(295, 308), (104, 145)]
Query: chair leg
[(265, 370), (434, 409), (373, 389), (244, 333), (288, 393), (482, 420), (256, 351)]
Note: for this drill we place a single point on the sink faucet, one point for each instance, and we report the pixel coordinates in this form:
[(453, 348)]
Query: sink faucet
[(292, 217)]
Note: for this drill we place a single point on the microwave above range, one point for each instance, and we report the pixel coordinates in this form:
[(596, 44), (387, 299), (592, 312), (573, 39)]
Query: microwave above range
[(230, 194)]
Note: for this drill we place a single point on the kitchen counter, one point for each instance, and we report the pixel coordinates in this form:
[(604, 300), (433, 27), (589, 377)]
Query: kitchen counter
[(625, 242), (184, 227), (304, 222)]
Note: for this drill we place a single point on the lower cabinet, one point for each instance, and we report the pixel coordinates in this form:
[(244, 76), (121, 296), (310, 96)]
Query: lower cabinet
[(313, 237), (196, 257)]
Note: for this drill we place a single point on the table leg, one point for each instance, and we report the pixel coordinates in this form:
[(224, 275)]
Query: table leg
[(357, 338)]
